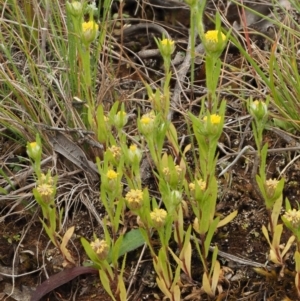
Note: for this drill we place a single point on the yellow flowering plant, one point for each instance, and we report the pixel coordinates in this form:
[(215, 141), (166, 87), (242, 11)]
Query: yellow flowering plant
[(271, 191), (111, 191), (258, 109), (44, 194), (103, 126), (81, 34), (160, 99), (202, 191), (172, 173), (214, 42), (167, 280), (89, 32), (133, 156), (104, 255), (154, 127), (208, 130)]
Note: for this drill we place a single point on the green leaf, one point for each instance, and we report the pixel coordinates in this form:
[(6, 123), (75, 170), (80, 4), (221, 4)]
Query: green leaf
[(210, 233), (106, 283), (115, 251), (49, 232), (131, 241), (2, 190), (213, 260)]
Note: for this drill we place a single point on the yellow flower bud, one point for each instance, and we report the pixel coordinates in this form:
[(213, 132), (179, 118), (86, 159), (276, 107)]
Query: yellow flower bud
[(74, 8), (258, 109), (166, 47), (120, 119), (147, 123), (34, 150), (89, 32)]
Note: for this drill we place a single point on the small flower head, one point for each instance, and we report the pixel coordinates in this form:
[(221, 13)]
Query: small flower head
[(158, 217), (173, 174), (89, 32), (101, 248), (214, 41), (200, 183), (258, 109), (212, 125), (75, 8), (166, 47), (120, 119), (215, 119), (115, 151), (166, 171), (111, 181), (178, 170), (293, 216), (34, 150), (134, 154), (45, 191), (134, 199), (270, 187), (147, 123), (111, 174)]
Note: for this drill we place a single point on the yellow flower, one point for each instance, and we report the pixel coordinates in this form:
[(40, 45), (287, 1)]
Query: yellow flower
[(212, 42), (213, 36), (90, 25), (166, 42), (146, 120), (214, 118), (201, 184), (89, 32), (166, 47), (293, 216), (101, 248), (147, 123), (134, 153), (115, 151), (133, 147), (111, 174), (45, 189), (166, 171), (33, 150), (158, 217), (271, 186), (178, 170), (33, 144), (134, 199)]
